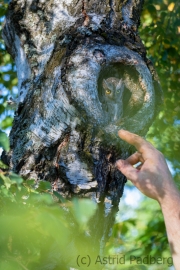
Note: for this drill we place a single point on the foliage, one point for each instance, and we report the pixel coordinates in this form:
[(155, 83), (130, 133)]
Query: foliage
[(37, 225), (142, 233), (160, 31), (34, 228), (8, 77)]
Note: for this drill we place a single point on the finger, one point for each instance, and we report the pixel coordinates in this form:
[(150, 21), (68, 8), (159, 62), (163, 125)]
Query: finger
[(135, 158), (139, 167), (143, 147), (128, 170)]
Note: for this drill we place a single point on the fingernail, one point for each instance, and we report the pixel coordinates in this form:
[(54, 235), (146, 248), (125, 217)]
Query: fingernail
[(120, 131)]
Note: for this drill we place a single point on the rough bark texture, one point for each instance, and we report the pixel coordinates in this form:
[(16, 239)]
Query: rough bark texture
[(62, 132)]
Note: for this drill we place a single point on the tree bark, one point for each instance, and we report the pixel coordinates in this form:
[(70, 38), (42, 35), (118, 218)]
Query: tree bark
[(62, 131)]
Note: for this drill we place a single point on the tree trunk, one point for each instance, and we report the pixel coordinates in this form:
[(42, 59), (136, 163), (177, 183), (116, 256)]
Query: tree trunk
[(65, 127)]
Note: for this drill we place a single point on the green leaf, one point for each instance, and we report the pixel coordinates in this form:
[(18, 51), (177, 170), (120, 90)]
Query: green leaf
[(152, 10), (44, 186), (15, 179), (14, 81), (83, 210), (6, 180), (3, 166), (30, 182), (2, 108), (9, 265), (4, 191), (124, 228), (61, 199), (7, 122), (4, 141), (43, 198)]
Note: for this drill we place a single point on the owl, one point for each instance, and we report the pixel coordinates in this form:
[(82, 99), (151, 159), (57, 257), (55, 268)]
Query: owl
[(112, 97)]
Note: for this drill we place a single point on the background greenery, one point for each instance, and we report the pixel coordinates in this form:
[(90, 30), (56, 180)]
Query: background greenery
[(139, 231)]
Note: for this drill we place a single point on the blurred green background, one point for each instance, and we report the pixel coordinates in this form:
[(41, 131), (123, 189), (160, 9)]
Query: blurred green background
[(139, 228)]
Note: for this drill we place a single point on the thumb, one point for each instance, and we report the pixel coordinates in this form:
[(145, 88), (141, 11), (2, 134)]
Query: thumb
[(127, 169)]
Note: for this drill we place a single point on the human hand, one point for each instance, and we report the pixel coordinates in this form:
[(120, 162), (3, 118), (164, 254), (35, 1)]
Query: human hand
[(152, 177)]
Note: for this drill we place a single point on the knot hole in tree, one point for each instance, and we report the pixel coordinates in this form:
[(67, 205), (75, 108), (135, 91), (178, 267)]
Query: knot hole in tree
[(119, 92)]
